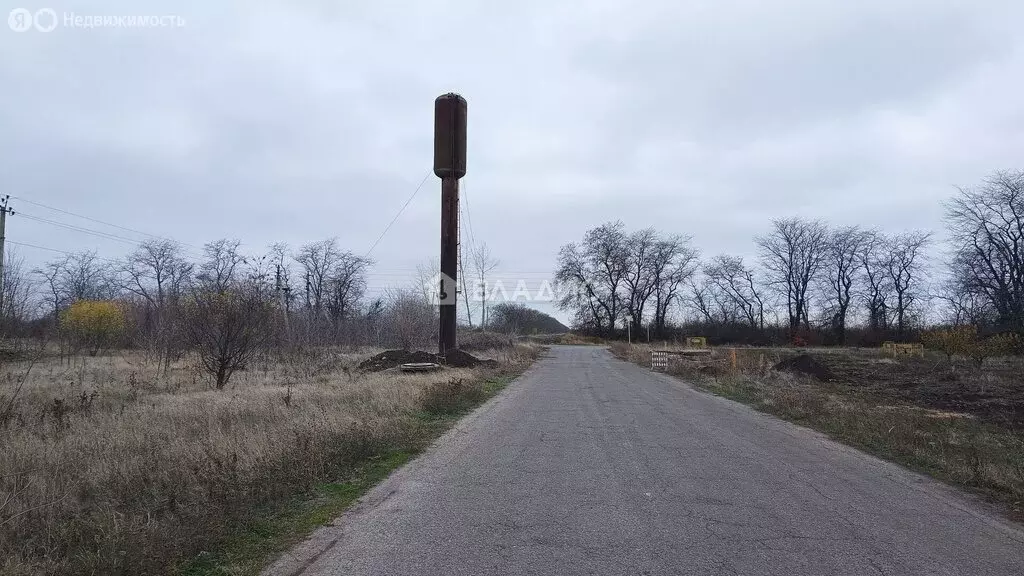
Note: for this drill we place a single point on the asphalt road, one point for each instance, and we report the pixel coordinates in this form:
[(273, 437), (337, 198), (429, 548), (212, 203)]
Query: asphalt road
[(590, 465)]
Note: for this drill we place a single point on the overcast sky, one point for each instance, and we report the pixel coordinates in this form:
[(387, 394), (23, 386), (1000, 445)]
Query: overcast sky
[(300, 120)]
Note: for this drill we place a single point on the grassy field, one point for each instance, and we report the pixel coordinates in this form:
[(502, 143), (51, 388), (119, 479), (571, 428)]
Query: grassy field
[(949, 419), (110, 466)]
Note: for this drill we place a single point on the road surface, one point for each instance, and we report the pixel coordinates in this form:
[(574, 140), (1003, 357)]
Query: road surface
[(590, 465)]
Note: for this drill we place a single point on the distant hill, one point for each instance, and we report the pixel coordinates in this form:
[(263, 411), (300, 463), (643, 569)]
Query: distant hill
[(521, 319)]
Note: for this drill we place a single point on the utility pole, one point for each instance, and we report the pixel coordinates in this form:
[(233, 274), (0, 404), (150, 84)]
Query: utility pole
[(4, 211), (449, 166)]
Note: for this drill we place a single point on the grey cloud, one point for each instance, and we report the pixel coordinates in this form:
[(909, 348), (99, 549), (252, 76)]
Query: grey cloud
[(292, 121)]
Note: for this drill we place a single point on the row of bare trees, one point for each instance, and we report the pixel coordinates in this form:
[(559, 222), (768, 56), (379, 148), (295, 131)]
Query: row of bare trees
[(804, 261), (805, 278), (615, 275), (223, 301), (809, 277), (318, 292), (319, 281)]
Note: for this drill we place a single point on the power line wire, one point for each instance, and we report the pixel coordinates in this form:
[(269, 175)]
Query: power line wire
[(118, 238), (69, 213), (393, 220), (382, 275), (99, 233), (65, 252), (26, 244), (72, 227)]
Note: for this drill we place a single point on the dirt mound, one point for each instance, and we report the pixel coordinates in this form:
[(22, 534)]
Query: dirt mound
[(807, 365), (393, 358), (461, 359)]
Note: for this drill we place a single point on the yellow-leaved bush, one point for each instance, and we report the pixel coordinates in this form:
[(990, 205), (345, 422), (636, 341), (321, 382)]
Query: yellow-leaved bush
[(965, 341), (94, 324)]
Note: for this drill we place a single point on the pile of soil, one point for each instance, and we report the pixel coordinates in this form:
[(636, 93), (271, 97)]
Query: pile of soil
[(462, 359), (807, 365), (394, 358)]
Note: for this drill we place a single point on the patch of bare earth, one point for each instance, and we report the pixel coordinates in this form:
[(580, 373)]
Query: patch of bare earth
[(395, 358)]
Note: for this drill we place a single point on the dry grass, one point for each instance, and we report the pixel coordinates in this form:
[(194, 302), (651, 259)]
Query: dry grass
[(110, 467), (897, 409), (450, 397)]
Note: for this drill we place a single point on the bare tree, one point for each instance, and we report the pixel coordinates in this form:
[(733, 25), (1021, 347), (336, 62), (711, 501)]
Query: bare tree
[(877, 286), (713, 304), (427, 279), (673, 263), (335, 281), (410, 319), (220, 268), (794, 254), (592, 275), (578, 290), (347, 283), (78, 276), (484, 264), (734, 290), (702, 300), (987, 226), (18, 287), (261, 273), (656, 267), (86, 277), (963, 305), (158, 274), (227, 328), (639, 278), (842, 268), (318, 260), (50, 275), (904, 266)]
